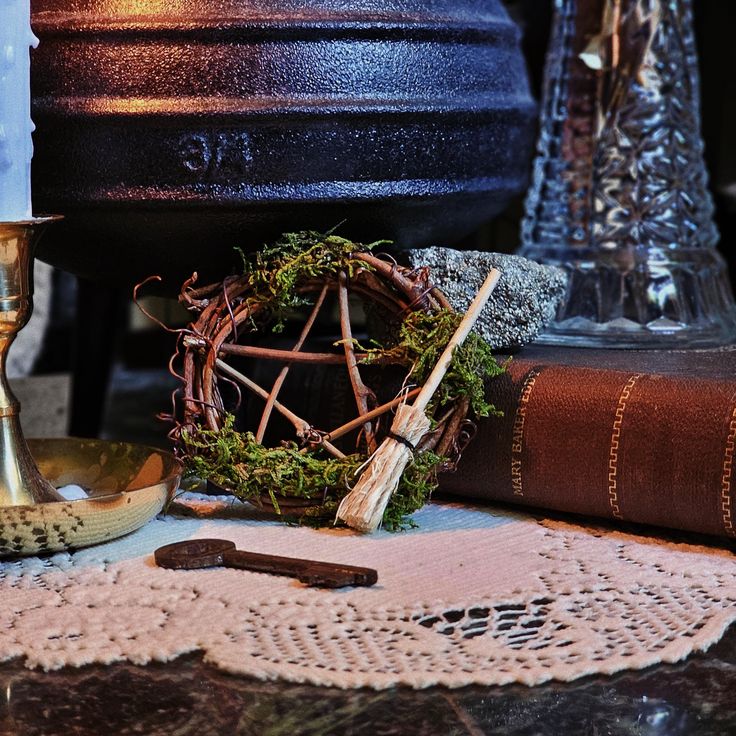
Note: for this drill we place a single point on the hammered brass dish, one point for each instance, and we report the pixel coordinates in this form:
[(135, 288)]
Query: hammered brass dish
[(127, 485)]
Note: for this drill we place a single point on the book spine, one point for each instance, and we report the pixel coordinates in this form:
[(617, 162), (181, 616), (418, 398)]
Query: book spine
[(643, 448)]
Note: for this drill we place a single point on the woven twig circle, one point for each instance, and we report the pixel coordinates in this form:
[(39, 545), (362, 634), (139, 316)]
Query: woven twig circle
[(231, 313), (226, 312)]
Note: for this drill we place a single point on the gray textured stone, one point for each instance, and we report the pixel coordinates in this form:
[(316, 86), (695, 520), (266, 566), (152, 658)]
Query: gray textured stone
[(523, 304)]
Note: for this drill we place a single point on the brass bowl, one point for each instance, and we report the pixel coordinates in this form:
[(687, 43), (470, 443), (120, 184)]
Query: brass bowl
[(127, 485)]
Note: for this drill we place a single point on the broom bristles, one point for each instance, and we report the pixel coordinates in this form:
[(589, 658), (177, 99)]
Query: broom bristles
[(364, 506)]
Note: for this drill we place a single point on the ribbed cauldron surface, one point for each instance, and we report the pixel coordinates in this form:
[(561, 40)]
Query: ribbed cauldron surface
[(170, 131)]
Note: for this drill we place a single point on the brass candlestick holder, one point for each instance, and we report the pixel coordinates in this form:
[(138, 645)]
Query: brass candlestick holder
[(21, 484), (123, 485)]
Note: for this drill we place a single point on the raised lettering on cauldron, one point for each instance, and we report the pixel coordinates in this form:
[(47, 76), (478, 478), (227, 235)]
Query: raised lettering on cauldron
[(216, 156)]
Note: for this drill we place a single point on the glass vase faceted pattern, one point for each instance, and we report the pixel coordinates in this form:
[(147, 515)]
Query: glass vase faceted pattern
[(619, 195)]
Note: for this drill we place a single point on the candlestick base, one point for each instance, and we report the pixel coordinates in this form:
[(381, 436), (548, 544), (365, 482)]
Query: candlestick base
[(21, 483)]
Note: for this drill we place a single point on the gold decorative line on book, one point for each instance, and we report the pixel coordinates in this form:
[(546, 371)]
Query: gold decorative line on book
[(517, 433), (726, 477), (613, 489)]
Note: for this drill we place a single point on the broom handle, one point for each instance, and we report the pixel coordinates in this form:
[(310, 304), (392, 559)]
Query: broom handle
[(463, 330)]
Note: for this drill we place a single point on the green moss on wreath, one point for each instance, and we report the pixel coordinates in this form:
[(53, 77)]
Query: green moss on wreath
[(234, 459)]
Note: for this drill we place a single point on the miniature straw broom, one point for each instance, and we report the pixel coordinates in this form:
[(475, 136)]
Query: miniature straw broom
[(363, 507)]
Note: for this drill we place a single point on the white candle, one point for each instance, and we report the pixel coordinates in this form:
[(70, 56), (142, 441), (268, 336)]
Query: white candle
[(16, 145)]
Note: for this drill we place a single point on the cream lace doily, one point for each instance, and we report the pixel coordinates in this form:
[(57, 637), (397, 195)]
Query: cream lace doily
[(473, 596)]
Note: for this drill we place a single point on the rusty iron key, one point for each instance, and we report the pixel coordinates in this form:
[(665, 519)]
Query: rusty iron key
[(200, 553)]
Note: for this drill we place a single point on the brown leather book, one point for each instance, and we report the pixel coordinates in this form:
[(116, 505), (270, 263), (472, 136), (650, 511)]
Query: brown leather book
[(640, 436)]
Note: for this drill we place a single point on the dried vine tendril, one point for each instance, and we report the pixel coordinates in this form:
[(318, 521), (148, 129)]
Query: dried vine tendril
[(307, 478)]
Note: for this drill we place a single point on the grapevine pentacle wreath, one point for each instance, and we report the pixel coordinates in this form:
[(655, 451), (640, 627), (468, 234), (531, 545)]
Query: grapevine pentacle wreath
[(305, 478)]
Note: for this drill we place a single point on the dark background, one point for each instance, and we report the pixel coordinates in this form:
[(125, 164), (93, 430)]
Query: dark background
[(715, 25)]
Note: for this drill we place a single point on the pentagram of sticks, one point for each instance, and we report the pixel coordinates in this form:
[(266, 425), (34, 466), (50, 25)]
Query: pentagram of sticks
[(224, 310)]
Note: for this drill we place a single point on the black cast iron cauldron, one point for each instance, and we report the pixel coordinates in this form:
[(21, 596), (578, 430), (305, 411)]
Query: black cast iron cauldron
[(169, 131)]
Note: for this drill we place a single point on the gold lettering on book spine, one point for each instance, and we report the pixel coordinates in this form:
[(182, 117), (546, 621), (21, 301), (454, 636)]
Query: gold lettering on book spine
[(726, 477), (613, 489), (517, 433)]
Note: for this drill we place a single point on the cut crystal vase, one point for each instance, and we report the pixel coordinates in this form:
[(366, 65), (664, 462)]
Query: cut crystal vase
[(619, 196)]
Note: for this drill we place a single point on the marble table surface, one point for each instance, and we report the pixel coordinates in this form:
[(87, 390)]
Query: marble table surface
[(694, 698)]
